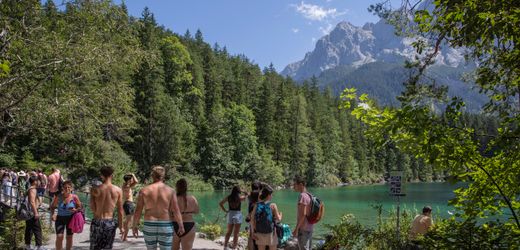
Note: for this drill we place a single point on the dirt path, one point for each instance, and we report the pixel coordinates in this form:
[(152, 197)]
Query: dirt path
[(81, 242)]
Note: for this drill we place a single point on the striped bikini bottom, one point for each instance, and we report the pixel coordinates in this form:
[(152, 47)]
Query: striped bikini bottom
[(158, 232)]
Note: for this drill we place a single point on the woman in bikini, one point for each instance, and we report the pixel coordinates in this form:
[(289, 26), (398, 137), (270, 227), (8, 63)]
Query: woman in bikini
[(188, 206), (234, 215), (67, 204)]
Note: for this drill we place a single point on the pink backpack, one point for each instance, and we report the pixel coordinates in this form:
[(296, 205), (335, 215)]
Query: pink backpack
[(77, 222)]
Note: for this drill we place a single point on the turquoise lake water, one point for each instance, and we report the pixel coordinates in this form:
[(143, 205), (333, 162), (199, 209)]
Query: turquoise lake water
[(356, 200)]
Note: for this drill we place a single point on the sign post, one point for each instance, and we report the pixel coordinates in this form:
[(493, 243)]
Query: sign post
[(396, 189)]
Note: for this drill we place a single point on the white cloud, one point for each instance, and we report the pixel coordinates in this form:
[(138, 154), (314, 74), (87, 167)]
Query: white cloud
[(295, 30), (326, 30), (316, 12)]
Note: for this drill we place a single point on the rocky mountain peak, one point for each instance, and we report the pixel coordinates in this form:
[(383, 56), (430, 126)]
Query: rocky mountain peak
[(350, 45)]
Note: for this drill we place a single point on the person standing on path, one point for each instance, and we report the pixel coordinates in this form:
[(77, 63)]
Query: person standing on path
[(22, 183), (53, 181), (234, 215), (33, 225), (159, 202), (67, 204), (104, 198), (43, 185), (303, 230), (7, 183), (128, 200), (268, 214), (256, 187), (189, 206)]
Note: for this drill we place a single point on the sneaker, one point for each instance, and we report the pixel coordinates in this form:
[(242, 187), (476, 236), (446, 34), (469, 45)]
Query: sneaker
[(28, 247)]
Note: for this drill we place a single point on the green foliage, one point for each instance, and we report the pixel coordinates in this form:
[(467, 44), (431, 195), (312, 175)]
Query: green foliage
[(195, 182), (4, 68), (7, 160), (80, 89), (27, 161), (212, 231), (11, 230), (487, 159), (454, 234), (348, 234)]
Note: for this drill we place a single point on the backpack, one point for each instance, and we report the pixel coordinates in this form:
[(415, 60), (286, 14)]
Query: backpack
[(60, 184), (43, 181), (317, 209), (283, 231), (24, 210), (264, 218)]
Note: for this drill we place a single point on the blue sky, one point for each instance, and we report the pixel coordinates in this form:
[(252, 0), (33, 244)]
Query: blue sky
[(266, 31)]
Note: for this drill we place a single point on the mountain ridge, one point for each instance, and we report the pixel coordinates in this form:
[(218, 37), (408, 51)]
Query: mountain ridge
[(348, 44), (371, 58)]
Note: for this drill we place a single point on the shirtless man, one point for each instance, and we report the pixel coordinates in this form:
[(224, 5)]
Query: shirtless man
[(159, 202), (33, 225), (128, 201), (421, 223), (52, 182), (104, 198)]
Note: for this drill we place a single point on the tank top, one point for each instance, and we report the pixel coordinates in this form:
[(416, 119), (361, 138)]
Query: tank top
[(234, 206), (64, 209)]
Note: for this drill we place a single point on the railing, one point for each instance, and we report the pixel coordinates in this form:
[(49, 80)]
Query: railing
[(8, 193), (11, 195)]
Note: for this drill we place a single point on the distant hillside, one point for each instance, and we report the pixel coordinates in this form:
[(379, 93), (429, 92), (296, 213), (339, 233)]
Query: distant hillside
[(383, 81)]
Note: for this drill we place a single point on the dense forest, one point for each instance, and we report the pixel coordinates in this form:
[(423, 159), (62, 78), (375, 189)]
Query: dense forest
[(85, 84)]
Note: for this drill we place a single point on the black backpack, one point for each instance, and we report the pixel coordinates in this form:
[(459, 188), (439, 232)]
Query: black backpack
[(60, 184), (23, 209)]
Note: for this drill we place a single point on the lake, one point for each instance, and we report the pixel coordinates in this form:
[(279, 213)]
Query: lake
[(356, 200)]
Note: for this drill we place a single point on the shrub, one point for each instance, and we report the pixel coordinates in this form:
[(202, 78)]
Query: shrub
[(212, 231), (11, 230), (348, 234), (468, 234)]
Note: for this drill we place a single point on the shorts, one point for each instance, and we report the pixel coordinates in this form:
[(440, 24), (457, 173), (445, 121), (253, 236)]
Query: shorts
[(40, 192), (102, 233), (62, 224), (234, 217), (269, 239), (129, 208), (158, 232), (52, 194)]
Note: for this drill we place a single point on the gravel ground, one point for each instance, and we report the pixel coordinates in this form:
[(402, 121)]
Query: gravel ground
[(81, 242)]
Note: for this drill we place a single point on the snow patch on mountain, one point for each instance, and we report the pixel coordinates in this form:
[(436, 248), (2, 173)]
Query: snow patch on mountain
[(355, 46)]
